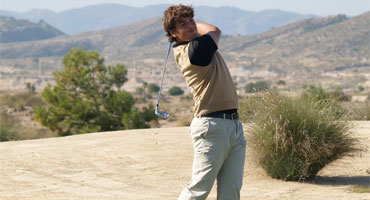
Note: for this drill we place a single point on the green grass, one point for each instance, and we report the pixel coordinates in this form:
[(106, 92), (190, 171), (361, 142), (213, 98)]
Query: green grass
[(294, 138)]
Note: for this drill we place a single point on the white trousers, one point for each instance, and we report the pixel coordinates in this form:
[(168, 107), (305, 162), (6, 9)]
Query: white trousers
[(219, 153)]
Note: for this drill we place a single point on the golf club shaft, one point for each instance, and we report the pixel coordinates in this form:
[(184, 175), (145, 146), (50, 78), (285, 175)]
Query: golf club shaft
[(163, 71)]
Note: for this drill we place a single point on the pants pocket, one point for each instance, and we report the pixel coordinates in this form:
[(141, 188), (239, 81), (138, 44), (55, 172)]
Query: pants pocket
[(198, 129)]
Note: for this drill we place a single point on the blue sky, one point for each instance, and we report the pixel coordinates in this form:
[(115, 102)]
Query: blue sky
[(317, 7)]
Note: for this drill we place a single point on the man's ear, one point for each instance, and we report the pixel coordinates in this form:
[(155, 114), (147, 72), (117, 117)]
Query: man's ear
[(173, 34)]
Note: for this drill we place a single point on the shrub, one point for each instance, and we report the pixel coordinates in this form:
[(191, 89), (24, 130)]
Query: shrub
[(8, 130), (281, 82), (175, 91), (318, 94), (315, 93), (256, 87), (152, 88), (294, 138), (247, 107), (340, 95)]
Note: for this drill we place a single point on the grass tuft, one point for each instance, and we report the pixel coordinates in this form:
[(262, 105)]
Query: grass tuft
[(294, 138)]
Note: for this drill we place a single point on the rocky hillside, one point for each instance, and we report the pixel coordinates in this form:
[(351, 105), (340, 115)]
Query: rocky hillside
[(13, 30), (233, 21), (331, 50)]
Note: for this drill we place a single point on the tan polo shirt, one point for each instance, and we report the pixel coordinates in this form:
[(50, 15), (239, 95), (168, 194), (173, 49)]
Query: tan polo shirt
[(206, 75)]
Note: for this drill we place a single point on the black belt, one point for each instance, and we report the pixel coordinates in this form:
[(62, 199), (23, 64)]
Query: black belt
[(232, 116)]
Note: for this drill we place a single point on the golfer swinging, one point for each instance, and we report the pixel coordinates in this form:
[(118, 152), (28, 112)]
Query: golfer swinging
[(216, 132)]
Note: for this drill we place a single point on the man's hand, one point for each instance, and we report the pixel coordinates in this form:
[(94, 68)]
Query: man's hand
[(213, 31)]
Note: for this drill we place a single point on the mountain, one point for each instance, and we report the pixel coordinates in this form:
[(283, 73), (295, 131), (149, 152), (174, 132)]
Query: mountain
[(12, 30), (322, 43), (333, 49), (232, 20)]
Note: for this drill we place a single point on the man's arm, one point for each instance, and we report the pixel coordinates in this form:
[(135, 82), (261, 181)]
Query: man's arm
[(211, 30)]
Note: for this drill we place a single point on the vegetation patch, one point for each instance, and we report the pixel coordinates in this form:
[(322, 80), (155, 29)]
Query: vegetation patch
[(359, 189), (295, 137)]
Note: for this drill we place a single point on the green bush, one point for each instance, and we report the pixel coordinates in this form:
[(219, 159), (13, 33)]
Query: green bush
[(153, 88), (281, 82), (256, 87), (8, 129), (175, 91), (320, 95), (247, 107), (293, 138)]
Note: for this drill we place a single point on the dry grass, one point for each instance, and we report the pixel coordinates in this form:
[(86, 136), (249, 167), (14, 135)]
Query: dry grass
[(360, 189), (294, 138)]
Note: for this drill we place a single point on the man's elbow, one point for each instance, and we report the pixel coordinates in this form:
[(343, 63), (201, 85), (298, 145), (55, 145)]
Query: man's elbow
[(218, 31)]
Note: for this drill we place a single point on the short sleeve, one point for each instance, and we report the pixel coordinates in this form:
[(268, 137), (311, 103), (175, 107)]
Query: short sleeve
[(201, 50)]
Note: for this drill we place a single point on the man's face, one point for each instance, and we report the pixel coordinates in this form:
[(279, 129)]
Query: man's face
[(186, 30)]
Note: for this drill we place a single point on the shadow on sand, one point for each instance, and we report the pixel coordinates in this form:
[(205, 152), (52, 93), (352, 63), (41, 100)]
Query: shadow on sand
[(341, 180)]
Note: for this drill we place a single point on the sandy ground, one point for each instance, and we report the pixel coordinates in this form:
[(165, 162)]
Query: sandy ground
[(153, 164)]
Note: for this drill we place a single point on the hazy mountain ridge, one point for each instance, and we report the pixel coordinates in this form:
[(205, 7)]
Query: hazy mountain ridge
[(13, 30), (324, 42), (232, 20), (315, 49)]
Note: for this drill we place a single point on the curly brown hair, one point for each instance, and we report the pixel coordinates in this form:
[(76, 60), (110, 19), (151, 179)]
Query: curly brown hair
[(172, 15)]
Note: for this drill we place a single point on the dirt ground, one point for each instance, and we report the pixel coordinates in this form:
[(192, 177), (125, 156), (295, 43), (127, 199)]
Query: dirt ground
[(153, 164)]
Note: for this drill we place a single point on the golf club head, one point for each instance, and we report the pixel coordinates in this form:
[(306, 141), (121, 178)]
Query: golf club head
[(164, 115)]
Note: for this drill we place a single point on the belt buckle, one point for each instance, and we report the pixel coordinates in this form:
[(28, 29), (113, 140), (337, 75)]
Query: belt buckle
[(232, 115)]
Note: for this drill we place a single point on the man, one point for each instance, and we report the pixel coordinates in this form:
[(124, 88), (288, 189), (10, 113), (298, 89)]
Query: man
[(216, 132)]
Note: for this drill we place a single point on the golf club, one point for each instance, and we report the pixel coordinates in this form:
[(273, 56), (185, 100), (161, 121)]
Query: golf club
[(164, 115)]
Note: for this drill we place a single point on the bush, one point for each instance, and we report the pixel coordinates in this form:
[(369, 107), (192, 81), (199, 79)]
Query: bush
[(152, 88), (175, 91), (340, 95), (247, 107), (293, 138), (8, 129), (281, 82), (256, 87), (318, 94)]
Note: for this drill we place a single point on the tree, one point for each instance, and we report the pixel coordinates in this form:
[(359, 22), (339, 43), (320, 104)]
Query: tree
[(87, 97), (174, 91)]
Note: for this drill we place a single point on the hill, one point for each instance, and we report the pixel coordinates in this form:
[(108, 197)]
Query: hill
[(331, 50), (13, 30), (233, 21), (154, 164)]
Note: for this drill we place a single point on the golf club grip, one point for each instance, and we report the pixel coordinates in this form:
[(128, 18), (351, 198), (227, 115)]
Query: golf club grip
[(163, 71)]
